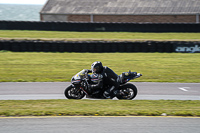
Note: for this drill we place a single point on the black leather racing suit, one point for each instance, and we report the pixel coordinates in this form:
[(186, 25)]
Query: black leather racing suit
[(107, 78)]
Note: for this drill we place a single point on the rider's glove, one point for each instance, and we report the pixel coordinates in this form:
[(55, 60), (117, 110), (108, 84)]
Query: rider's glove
[(88, 70)]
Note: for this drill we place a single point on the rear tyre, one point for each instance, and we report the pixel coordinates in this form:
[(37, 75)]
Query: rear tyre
[(127, 91), (73, 93)]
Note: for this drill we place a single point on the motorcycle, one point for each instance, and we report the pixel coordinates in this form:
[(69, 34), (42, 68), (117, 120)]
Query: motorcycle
[(79, 86)]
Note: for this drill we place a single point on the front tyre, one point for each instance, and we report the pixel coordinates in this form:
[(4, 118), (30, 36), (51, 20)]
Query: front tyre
[(73, 93), (127, 91)]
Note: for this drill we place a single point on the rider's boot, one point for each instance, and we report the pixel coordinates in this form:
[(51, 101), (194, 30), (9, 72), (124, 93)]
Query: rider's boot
[(118, 93), (108, 93)]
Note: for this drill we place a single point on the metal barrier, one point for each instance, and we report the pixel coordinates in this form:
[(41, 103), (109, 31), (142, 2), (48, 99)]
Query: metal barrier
[(103, 27)]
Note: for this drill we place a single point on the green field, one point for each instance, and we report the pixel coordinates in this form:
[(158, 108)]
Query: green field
[(52, 67), (118, 36), (155, 67), (99, 108)]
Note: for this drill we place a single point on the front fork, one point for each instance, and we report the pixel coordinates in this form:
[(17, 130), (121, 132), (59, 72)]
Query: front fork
[(84, 90), (78, 89)]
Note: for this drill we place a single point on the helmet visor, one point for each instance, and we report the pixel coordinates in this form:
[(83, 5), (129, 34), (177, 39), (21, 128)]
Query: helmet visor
[(94, 70)]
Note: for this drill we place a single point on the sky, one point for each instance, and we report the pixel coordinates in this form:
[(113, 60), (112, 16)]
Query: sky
[(41, 2)]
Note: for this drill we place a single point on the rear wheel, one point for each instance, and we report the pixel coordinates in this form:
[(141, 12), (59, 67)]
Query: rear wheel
[(127, 91), (73, 93)]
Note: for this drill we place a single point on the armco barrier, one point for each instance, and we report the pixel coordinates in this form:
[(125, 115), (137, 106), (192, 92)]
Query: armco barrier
[(103, 27), (98, 46)]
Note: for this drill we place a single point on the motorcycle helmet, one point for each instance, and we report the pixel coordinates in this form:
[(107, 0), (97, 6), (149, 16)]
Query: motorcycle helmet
[(97, 67)]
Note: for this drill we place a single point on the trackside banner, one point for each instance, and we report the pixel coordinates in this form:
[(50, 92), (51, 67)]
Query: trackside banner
[(192, 48)]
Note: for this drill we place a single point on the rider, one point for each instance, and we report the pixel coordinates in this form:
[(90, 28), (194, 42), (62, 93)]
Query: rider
[(105, 77)]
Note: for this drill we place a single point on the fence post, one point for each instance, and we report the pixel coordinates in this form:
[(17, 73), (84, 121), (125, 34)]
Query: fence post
[(197, 18)]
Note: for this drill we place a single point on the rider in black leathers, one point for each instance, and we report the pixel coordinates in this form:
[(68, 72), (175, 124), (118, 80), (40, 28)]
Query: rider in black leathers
[(105, 77)]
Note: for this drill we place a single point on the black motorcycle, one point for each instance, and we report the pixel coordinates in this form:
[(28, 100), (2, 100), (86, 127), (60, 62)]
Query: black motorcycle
[(79, 87)]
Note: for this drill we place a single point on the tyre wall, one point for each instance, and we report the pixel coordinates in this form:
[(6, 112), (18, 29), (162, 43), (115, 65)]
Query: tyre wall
[(98, 46)]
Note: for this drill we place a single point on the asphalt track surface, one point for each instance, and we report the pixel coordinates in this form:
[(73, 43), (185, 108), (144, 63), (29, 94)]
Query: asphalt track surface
[(100, 125), (55, 90)]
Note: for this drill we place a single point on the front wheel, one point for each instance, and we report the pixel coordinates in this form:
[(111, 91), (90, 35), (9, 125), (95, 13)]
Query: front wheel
[(127, 91), (73, 93)]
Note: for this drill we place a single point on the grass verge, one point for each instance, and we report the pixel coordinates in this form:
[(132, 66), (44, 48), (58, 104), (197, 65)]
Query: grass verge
[(99, 108), (51, 67), (119, 36)]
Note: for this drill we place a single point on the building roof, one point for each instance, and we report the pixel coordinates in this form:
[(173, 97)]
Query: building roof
[(135, 7)]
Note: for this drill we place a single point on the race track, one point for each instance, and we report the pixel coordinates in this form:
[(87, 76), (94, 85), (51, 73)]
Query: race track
[(100, 125), (54, 90)]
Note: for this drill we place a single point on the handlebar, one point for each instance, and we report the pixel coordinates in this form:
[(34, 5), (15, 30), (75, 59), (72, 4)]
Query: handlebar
[(138, 75)]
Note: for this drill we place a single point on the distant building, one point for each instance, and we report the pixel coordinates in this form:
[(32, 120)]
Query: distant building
[(154, 11)]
